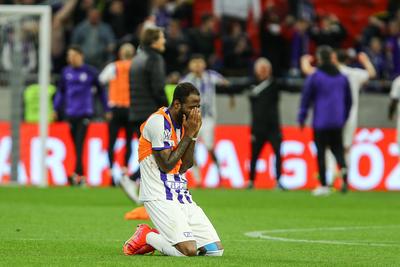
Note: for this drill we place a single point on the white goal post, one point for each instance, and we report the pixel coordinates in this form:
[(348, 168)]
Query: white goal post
[(44, 12)]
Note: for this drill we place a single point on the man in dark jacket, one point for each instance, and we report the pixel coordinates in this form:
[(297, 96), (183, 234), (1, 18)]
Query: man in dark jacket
[(146, 83), (328, 92), (265, 124), (147, 76)]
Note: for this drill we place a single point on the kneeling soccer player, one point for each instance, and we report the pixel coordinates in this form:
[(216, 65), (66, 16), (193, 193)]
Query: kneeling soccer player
[(166, 147)]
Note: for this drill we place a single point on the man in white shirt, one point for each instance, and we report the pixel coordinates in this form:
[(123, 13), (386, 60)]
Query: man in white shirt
[(166, 149), (357, 78), (207, 81)]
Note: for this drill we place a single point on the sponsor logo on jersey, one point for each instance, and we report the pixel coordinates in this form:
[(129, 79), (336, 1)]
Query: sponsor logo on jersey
[(69, 76), (83, 77), (188, 234), (176, 185), (167, 134)]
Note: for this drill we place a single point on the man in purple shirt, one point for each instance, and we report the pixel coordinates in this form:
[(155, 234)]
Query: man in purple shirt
[(328, 92), (74, 99)]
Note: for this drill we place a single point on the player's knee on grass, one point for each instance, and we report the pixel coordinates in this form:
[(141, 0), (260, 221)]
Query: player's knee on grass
[(187, 248), (213, 249)]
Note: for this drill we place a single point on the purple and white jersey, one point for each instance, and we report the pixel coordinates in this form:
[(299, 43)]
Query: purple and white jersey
[(156, 184), (207, 86)]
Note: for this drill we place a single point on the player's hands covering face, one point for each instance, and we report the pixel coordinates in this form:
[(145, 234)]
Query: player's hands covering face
[(192, 124)]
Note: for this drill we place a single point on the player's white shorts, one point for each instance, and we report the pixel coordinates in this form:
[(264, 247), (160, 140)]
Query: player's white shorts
[(178, 222), (207, 131)]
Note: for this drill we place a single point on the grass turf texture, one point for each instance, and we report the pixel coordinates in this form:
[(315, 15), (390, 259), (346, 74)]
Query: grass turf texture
[(75, 226)]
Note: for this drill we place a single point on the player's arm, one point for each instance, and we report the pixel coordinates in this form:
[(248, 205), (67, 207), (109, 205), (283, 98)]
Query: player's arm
[(107, 74), (167, 158), (218, 79), (222, 82), (348, 99), (187, 158), (366, 63), (59, 97), (305, 64), (101, 92), (306, 100)]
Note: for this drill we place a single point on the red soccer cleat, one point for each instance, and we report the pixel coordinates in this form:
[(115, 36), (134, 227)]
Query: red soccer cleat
[(136, 245)]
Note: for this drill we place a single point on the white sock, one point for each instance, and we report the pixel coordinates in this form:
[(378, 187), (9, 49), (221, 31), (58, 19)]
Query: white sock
[(215, 253), (331, 167), (161, 244), (347, 157)]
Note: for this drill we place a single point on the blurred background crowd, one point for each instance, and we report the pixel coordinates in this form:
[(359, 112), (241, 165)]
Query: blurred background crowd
[(229, 34)]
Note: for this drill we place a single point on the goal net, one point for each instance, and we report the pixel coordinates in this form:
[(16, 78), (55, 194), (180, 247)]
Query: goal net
[(24, 93)]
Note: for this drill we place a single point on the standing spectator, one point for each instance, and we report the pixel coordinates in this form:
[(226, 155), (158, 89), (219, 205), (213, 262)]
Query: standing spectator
[(114, 16), (302, 9), (202, 39), (176, 49), (162, 10), (135, 13), (81, 10), (184, 13), (393, 7), (74, 98), (300, 45), (375, 28), (328, 92), (28, 52), (228, 11), (116, 74), (61, 26), (273, 44), (237, 51), (376, 54), (206, 81), (393, 48), (330, 32), (265, 123), (96, 39)]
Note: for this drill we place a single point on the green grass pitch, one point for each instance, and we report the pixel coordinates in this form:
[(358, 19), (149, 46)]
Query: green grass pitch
[(85, 227)]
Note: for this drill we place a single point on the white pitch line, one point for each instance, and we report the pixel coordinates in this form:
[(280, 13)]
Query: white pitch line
[(263, 235), (334, 228)]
